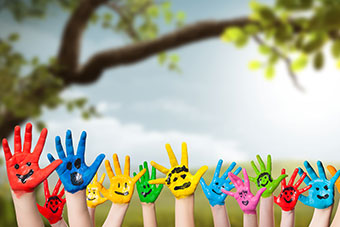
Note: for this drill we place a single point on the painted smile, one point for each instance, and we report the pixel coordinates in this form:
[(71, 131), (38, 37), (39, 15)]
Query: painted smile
[(245, 202), (217, 192), (121, 193), (323, 197), (23, 178), (145, 194), (288, 201), (54, 211), (263, 185), (184, 186), (89, 199)]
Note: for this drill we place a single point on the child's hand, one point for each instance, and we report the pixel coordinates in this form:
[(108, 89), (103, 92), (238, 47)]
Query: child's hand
[(178, 178), (333, 171), (121, 185), (23, 169), (74, 173), (264, 178), (147, 193), (321, 194), (54, 204), (213, 191), (290, 193), (93, 196), (243, 195)]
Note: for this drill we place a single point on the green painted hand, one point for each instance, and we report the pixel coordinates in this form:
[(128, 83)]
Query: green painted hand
[(148, 193), (264, 178)]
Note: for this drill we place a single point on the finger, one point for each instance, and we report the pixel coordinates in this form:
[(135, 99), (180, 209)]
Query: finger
[(321, 169), (230, 168), (238, 170), (127, 166), (257, 171), (235, 179), (261, 163), (172, 157), (307, 179), (335, 177), (200, 173), (46, 189), (41, 209), (95, 165), (310, 170), (109, 171), (159, 167), (153, 173), (146, 176), (228, 192), (139, 175), (62, 192), (56, 188), (116, 165), (59, 147), (333, 171), (302, 190), (157, 181), (7, 151), (69, 143), (246, 179), (81, 144), (40, 144), (258, 194), (283, 182), (204, 187), (50, 158), (278, 181), (138, 181), (269, 163), (17, 139), (184, 159), (45, 172), (143, 177), (299, 182), (102, 178), (292, 179), (218, 168), (28, 138)]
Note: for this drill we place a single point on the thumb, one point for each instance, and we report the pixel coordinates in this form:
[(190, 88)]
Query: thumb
[(259, 193), (278, 181)]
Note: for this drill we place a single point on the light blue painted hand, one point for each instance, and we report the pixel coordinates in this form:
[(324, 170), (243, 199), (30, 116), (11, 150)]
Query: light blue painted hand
[(73, 172), (321, 194), (213, 191)]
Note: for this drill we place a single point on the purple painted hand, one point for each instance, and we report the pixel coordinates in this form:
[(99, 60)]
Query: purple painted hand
[(243, 195)]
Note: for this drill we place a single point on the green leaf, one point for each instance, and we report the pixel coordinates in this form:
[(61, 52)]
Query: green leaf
[(166, 6), (270, 72), (235, 35), (336, 49), (318, 61), (254, 65), (251, 29), (264, 49), (152, 11), (181, 16), (162, 58), (174, 58), (168, 16), (300, 63)]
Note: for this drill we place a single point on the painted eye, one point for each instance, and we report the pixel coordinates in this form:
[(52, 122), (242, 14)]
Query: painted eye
[(125, 185), (175, 179), (317, 189), (144, 187), (223, 186), (77, 163), (118, 185), (56, 202), (148, 186), (16, 166), (291, 193), (28, 164), (285, 193), (326, 187), (69, 165), (216, 183), (183, 176)]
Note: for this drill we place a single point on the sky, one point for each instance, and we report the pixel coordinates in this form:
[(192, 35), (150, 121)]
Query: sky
[(217, 105)]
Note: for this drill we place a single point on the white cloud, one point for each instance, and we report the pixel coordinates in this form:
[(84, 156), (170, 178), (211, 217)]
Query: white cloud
[(104, 107)]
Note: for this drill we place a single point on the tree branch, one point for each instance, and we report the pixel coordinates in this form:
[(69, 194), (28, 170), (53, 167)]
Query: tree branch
[(132, 53)]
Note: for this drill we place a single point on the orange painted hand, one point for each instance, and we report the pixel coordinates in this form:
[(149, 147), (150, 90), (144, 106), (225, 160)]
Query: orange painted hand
[(333, 171), (121, 185), (93, 197), (178, 178)]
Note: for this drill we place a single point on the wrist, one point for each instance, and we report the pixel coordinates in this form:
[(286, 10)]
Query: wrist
[(148, 205)]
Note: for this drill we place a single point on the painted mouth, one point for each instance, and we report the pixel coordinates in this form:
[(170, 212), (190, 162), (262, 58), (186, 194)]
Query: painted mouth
[(121, 193), (323, 197), (217, 192), (54, 211), (89, 199), (145, 194), (184, 186), (76, 178), (288, 201), (23, 178), (263, 185), (245, 202)]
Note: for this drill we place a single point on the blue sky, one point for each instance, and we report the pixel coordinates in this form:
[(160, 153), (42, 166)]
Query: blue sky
[(219, 107)]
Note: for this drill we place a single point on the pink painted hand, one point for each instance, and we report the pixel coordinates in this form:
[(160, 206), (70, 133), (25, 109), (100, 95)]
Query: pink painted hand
[(243, 195)]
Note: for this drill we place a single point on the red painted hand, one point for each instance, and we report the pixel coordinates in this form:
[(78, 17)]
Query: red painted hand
[(23, 170), (290, 193), (54, 204)]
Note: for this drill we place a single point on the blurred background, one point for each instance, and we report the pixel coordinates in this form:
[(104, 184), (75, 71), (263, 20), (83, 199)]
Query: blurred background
[(231, 78)]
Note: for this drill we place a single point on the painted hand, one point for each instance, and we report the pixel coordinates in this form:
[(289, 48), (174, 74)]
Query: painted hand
[(213, 191), (290, 193), (121, 185), (23, 169), (264, 178), (74, 173), (54, 204), (243, 195), (333, 171), (93, 197), (178, 178), (321, 194), (148, 193)]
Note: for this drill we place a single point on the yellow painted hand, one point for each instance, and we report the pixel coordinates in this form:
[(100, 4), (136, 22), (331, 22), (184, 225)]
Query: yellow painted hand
[(121, 185), (178, 178), (93, 197)]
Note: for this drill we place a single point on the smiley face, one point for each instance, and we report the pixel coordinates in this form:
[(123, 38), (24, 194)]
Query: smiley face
[(92, 193), (263, 179), (288, 194), (54, 203), (122, 187), (177, 178), (244, 197), (216, 187), (321, 191), (146, 189)]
